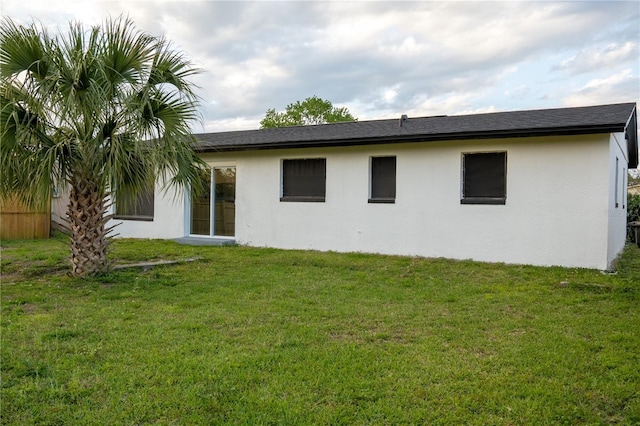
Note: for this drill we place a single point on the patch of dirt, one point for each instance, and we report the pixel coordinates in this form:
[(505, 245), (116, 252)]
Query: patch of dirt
[(10, 278), (28, 308)]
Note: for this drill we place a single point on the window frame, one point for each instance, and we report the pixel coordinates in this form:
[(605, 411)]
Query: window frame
[(381, 180), (284, 187), (480, 199)]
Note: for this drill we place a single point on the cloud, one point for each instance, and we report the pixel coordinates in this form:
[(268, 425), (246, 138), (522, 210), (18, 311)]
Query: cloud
[(621, 87), (384, 58), (600, 57)]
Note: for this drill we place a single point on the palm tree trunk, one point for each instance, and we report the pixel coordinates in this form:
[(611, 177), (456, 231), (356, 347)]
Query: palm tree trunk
[(87, 218)]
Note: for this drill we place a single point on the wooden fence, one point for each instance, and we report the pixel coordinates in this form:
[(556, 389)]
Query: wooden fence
[(17, 221)]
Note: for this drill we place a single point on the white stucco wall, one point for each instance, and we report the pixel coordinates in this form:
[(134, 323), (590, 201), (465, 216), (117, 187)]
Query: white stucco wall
[(168, 222), (59, 206), (617, 199), (168, 218), (556, 211)]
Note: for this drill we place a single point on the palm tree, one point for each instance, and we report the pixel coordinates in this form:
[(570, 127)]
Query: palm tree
[(104, 110)]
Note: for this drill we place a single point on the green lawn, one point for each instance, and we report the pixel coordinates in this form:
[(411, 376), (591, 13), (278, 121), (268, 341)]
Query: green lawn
[(263, 336)]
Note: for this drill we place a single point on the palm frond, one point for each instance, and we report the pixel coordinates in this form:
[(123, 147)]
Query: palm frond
[(126, 52), (22, 49), (171, 67)]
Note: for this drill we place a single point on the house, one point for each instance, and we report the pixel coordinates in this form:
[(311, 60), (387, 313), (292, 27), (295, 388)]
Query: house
[(540, 187)]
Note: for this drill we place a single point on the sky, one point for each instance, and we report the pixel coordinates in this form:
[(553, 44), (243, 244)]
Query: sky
[(382, 59)]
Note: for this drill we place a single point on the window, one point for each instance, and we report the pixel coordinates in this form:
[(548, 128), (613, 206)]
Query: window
[(131, 207), (484, 178), (383, 180), (304, 180), (617, 181)]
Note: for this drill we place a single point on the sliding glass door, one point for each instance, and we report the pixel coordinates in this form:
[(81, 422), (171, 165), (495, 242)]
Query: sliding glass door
[(213, 212)]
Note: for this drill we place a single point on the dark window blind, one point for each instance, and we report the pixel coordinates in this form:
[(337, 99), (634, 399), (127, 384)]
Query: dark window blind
[(484, 178), (304, 180), (135, 207), (383, 179)]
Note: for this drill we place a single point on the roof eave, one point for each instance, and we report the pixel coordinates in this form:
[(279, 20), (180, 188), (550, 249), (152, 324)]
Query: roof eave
[(319, 143), (631, 135)]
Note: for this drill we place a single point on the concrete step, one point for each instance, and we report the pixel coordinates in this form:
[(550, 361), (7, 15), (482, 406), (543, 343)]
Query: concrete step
[(205, 241)]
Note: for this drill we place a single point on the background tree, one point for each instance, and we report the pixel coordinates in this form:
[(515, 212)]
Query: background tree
[(311, 111), (104, 110)]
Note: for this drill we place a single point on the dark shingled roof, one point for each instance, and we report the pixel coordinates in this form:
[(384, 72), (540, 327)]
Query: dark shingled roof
[(545, 122)]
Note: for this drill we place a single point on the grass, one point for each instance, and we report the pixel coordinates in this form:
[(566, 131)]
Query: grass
[(263, 336)]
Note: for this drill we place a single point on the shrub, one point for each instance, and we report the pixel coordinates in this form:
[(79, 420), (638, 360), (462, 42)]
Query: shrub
[(633, 212)]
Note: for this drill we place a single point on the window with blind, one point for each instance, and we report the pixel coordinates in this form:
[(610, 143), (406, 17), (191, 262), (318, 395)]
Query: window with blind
[(304, 180), (484, 178), (383, 180), (130, 206)]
